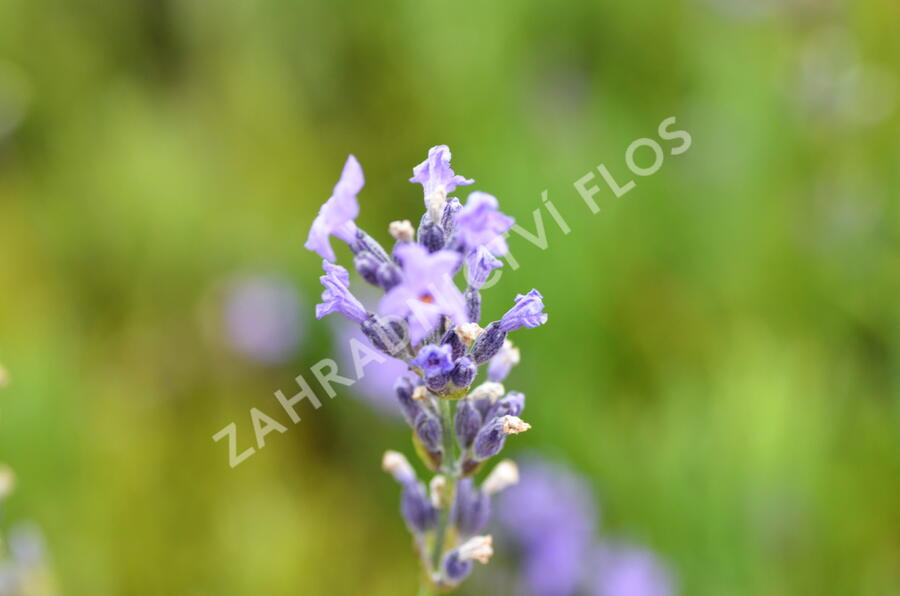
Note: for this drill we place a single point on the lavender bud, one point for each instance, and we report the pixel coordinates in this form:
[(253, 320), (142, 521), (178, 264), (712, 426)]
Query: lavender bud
[(388, 275), (456, 570), (471, 508), (463, 373), (473, 304), (365, 243), (428, 430), (431, 236), (417, 510), (367, 265), (511, 405), (492, 436), (437, 382), (488, 343), (448, 219), (410, 407), (467, 422), (451, 338), (388, 334)]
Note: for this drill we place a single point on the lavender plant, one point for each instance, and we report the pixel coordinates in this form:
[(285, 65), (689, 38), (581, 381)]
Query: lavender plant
[(425, 320)]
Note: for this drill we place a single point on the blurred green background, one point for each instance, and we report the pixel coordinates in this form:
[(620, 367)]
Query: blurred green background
[(723, 354)]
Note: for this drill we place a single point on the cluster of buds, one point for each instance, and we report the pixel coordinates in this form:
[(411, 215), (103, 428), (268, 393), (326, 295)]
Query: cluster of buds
[(427, 321)]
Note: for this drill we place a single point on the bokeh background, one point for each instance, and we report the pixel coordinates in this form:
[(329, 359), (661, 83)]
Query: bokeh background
[(722, 363)]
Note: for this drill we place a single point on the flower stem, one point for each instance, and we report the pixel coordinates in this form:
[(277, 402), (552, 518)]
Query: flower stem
[(450, 470)]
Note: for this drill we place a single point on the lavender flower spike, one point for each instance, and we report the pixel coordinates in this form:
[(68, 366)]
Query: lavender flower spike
[(336, 216), (480, 223), (437, 180), (528, 312), (425, 321), (337, 296)]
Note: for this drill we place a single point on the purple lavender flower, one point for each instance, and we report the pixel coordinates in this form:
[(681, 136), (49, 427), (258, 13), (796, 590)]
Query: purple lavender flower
[(434, 359), (424, 320), (262, 318), (528, 312), (337, 296), (427, 290), (480, 223), (435, 174), (624, 570), (336, 216)]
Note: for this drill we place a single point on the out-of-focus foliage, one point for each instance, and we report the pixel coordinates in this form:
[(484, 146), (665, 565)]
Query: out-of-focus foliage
[(723, 354)]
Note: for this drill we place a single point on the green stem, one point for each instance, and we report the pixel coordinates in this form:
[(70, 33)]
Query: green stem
[(425, 589), (450, 472)]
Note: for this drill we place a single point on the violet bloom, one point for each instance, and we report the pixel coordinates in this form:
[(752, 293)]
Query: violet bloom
[(434, 359), (437, 180), (528, 312), (550, 515), (336, 216), (427, 290), (262, 318), (337, 296), (623, 570), (480, 223)]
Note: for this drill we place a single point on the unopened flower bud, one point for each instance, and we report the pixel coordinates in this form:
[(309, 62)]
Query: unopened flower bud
[(464, 372), (471, 508), (504, 475), (448, 218), (492, 436), (367, 266), (437, 382), (388, 334), (388, 275), (428, 430), (431, 236), (365, 243), (396, 464), (410, 408), (417, 510), (457, 347), (402, 231), (454, 569), (467, 422), (488, 344)]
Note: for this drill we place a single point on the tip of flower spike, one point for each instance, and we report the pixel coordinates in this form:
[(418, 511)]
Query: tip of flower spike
[(513, 425), (7, 481), (488, 389), (396, 464), (469, 332), (402, 230), (477, 548), (504, 475)]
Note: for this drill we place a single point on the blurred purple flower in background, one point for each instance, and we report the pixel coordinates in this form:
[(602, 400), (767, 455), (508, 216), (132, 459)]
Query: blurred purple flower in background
[(625, 570), (550, 515), (262, 318)]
